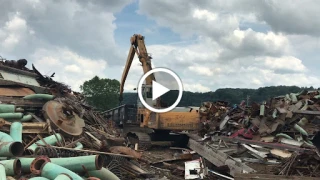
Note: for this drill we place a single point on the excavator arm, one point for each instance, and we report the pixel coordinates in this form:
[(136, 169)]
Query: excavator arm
[(137, 47)]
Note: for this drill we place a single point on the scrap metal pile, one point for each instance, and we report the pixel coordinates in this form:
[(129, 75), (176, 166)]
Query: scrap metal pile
[(277, 137), (48, 131)]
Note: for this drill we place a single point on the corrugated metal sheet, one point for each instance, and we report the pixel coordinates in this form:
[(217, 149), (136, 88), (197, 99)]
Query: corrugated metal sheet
[(19, 78), (15, 91)]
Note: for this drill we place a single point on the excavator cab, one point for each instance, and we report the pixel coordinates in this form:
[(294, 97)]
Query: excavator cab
[(147, 95)]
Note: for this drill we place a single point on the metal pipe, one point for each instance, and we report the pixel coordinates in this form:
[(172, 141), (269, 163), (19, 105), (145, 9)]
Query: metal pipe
[(7, 108), (51, 171), (8, 148), (12, 167), (3, 175), (26, 118), (11, 149), (300, 129), (221, 175), (92, 162), (79, 145), (4, 137), (262, 108), (103, 173), (8, 116), (52, 140), (293, 97), (16, 131), (39, 96), (25, 164), (63, 176), (39, 178), (284, 135)]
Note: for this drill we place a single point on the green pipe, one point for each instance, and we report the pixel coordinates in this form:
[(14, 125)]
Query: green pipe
[(103, 173), (16, 131), (7, 108), (274, 114), (25, 164), (305, 106), (284, 135), (8, 148), (39, 96), (4, 137), (63, 177), (50, 170), (52, 140), (26, 118), (293, 97), (11, 115), (11, 149), (288, 97), (317, 96), (3, 175), (13, 167), (300, 129), (39, 178), (20, 119), (262, 108), (79, 145), (309, 143), (92, 162)]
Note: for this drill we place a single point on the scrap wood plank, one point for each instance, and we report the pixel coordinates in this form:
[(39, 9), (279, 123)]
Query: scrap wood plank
[(242, 176), (218, 158)]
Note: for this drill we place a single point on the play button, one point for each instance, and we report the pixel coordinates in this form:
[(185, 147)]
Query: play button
[(164, 81), (158, 90)]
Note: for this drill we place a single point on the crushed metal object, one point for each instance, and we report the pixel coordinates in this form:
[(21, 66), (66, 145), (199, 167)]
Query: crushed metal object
[(63, 118)]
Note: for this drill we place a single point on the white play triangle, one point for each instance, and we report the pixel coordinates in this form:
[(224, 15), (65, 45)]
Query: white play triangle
[(158, 90)]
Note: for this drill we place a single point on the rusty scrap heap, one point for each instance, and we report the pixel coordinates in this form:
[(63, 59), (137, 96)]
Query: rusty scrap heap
[(277, 137), (47, 131)]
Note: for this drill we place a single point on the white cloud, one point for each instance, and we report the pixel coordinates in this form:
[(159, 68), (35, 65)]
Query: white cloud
[(195, 87), (227, 43), (204, 14), (75, 39), (12, 32), (239, 44), (70, 68), (285, 63)]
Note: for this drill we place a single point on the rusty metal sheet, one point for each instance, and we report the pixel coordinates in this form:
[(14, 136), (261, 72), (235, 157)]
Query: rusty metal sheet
[(126, 151), (15, 91)]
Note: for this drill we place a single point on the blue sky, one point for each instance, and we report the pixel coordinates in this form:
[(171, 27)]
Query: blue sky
[(130, 22), (211, 44)]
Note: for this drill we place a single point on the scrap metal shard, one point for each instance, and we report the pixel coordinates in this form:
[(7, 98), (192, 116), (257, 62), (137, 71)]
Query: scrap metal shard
[(63, 118), (219, 158)]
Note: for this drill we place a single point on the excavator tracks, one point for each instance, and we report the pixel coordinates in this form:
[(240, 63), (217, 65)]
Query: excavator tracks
[(143, 140)]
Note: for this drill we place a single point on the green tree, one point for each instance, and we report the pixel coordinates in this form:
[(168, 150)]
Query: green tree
[(102, 93)]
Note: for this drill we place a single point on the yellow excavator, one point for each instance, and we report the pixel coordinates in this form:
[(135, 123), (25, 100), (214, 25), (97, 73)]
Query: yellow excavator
[(154, 126)]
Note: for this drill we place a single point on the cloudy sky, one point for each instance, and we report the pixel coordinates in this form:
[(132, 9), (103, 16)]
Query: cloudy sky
[(210, 44)]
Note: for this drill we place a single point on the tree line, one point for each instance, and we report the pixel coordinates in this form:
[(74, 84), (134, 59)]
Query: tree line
[(103, 94)]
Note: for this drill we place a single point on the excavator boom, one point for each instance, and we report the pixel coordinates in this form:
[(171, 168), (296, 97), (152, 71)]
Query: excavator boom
[(137, 47)]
